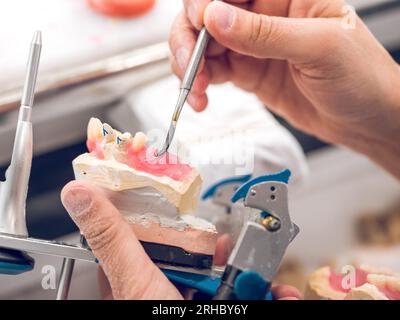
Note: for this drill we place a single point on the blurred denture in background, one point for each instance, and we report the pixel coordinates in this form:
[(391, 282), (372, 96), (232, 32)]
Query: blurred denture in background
[(121, 8)]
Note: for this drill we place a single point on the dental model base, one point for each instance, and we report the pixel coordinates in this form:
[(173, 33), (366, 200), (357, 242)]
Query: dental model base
[(155, 194), (363, 283)]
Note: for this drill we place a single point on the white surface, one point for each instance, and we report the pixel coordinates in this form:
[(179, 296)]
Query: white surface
[(73, 34)]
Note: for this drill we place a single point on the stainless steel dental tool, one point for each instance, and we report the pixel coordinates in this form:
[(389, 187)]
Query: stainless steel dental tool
[(186, 85), (14, 189)]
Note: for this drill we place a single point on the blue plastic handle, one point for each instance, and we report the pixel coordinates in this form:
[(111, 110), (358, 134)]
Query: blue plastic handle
[(203, 283), (249, 285), (14, 269)]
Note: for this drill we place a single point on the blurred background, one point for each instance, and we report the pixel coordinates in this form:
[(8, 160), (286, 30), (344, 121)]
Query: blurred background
[(92, 60)]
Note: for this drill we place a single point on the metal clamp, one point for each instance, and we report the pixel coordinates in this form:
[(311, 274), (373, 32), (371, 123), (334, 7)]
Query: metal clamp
[(222, 191), (262, 242)]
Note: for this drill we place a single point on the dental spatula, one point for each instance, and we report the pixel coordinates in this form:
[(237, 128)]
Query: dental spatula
[(186, 85), (14, 189)]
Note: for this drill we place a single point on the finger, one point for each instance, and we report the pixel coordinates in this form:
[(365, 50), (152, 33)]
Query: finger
[(201, 81), (218, 70), (214, 49), (282, 292), (223, 250), (198, 101), (104, 285), (264, 36), (326, 8), (311, 8), (181, 42), (131, 273), (195, 10), (197, 98)]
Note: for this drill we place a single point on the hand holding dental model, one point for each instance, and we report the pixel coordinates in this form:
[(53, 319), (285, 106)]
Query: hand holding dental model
[(313, 62)]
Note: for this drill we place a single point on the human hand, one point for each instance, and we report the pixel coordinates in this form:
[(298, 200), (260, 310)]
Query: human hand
[(126, 270), (130, 272), (328, 78)]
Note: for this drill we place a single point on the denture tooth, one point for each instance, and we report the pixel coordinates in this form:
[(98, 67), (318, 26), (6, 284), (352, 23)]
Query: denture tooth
[(139, 141), (123, 140), (385, 281), (94, 129), (108, 133)]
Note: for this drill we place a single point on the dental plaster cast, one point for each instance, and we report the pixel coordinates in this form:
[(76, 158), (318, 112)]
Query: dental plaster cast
[(155, 194), (366, 283)]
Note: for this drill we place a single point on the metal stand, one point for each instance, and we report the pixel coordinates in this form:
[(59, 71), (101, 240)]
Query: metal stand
[(70, 253), (65, 279)]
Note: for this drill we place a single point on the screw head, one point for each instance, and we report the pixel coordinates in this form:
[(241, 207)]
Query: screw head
[(271, 223)]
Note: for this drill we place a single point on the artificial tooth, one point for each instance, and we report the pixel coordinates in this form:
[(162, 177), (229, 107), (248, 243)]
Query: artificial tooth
[(94, 129), (108, 133), (139, 141), (123, 140), (385, 281)]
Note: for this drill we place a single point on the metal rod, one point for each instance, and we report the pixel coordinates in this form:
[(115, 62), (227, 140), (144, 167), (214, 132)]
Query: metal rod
[(46, 247), (72, 252), (186, 85), (65, 278), (32, 70)]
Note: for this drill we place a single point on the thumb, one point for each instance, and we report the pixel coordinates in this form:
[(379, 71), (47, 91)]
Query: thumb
[(131, 273), (263, 36)]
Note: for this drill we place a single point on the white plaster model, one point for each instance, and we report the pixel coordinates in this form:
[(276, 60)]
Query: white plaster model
[(156, 195)]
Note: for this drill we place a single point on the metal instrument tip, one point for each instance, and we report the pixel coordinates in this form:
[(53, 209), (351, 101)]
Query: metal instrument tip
[(171, 131), (187, 83), (168, 140), (32, 70), (37, 38)]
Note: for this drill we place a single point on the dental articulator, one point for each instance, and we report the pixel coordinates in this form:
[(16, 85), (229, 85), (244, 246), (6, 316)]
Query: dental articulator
[(156, 198)]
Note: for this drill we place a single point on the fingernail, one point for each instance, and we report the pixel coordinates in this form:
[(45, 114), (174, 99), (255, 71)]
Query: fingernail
[(223, 15), (192, 13), (182, 57), (77, 201)]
